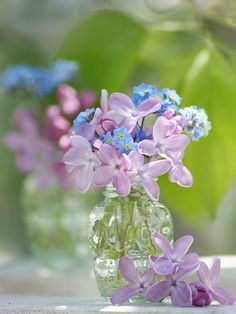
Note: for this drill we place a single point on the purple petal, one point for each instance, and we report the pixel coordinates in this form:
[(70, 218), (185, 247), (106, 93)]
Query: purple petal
[(181, 294), (122, 294), (151, 187), (148, 106), (164, 267), (108, 154), (157, 168), (214, 271), (81, 143), (148, 276), (181, 175), (158, 291), (152, 260), (129, 270), (75, 158), (182, 246), (137, 159), (121, 104), (129, 123), (87, 131), (147, 147), (83, 177), (175, 143), (160, 129), (104, 100), (190, 261), (203, 273), (102, 176), (122, 183), (163, 243), (222, 296)]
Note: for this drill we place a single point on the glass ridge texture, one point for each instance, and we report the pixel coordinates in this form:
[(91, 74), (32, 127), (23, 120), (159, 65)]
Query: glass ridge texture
[(122, 226)]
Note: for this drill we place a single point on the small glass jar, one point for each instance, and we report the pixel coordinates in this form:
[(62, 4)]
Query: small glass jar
[(123, 226), (57, 223)]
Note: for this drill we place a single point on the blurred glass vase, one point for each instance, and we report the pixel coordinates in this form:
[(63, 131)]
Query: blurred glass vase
[(57, 223), (122, 226)]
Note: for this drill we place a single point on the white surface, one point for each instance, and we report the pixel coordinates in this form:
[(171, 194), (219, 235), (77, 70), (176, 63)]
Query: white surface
[(21, 304)]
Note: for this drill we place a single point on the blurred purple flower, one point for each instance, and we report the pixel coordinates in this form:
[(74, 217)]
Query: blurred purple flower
[(68, 100), (209, 277), (174, 256), (200, 295), (81, 162), (147, 173), (33, 153), (87, 98), (173, 286), (122, 104), (137, 283), (162, 144), (113, 170)]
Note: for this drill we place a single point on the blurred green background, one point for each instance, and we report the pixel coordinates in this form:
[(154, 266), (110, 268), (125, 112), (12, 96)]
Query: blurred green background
[(189, 46)]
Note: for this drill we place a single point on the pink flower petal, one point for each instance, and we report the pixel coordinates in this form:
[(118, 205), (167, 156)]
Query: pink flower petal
[(160, 129), (148, 106), (181, 294), (190, 261), (175, 143), (203, 273), (148, 276), (222, 296), (214, 273), (163, 243), (108, 155), (182, 246), (137, 159), (158, 291), (157, 168), (164, 267), (129, 123), (122, 183), (181, 175), (87, 131), (75, 158), (83, 177), (81, 143), (121, 104), (104, 100), (122, 294), (147, 147), (151, 186), (128, 269), (103, 176)]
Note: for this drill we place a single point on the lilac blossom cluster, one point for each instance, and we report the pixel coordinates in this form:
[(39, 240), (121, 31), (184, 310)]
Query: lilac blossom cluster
[(39, 142), (117, 143), (173, 267)]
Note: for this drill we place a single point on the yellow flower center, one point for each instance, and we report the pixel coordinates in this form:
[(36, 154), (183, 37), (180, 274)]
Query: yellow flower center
[(127, 146), (121, 136)]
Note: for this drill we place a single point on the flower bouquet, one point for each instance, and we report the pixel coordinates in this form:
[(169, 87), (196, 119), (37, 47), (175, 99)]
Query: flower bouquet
[(124, 146), (55, 215)]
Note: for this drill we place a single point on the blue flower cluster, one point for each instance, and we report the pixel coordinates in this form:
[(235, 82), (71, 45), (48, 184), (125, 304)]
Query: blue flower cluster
[(40, 81), (122, 139), (168, 97), (196, 122), (82, 118)]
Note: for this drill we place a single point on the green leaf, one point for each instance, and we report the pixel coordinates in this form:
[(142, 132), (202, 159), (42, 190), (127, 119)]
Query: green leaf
[(106, 45), (211, 84)]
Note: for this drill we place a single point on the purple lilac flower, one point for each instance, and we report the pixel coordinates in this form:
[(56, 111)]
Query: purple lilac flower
[(80, 160), (200, 295), (101, 123), (173, 286), (122, 104), (137, 283), (146, 173), (162, 144), (174, 256), (68, 100), (113, 170), (209, 277)]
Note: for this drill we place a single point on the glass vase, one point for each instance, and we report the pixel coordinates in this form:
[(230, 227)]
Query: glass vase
[(122, 226), (57, 223)]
